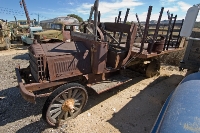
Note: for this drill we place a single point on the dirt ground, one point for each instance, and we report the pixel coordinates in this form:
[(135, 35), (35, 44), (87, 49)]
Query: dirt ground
[(132, 107), (15, 49)]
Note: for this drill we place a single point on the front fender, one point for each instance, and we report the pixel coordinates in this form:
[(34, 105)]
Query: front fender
[(180, 113)]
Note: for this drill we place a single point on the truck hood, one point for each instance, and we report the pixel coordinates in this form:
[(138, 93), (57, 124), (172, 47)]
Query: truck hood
[(49, 34), (38, 28), (24, 26)]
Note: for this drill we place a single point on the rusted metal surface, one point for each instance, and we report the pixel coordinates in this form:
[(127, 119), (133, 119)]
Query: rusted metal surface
[(66, 36), (139, 26), (146, 28), (98, 53), (117, 20), (80, 57), (99, 17), (66, 59), (96, 78), (156, 31), (28, 91), (37, 62), (171, 40), (67, 66), (27, 95), (26, 12), (157, 46), (117, 27), (110, 83), (170, 37), (125, 19), (62, 48), (168, 31), (131, 38), (115, 58), (92, 58), (145, 55)]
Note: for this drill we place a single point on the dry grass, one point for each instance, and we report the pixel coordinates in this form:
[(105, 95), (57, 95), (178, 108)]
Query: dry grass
[(173, 58)]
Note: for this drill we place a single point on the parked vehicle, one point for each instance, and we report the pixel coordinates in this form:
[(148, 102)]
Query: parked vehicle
[(180, 113), (21, 28), (28, 38), (4, 35), (55, 30), (95, 58)]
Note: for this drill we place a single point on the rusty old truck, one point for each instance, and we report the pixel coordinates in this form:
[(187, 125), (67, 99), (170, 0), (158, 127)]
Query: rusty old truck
[(61, 71), (57, 29)]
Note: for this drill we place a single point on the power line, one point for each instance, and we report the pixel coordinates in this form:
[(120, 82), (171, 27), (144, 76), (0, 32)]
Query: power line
[(15, 12)]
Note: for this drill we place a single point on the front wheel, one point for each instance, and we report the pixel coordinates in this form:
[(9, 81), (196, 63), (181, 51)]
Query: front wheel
[(65, 103)]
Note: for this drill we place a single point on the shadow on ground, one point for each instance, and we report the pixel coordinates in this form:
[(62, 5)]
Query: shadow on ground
[(15, 108), (144, 107), (22, 56)]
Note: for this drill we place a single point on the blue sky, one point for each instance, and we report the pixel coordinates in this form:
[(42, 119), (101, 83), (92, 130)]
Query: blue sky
[(48, 9)]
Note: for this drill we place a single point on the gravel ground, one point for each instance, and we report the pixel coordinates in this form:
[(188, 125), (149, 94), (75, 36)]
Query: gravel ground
[(132, 107)]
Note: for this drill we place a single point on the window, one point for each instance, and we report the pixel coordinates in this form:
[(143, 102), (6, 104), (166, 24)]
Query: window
[(22, 23), (67, 28), (56, 26)]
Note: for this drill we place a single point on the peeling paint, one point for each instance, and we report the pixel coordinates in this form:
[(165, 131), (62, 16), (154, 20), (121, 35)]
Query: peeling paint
[(193, 127)]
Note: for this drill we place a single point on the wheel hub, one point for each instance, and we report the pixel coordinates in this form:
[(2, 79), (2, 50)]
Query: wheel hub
[(68, 105)]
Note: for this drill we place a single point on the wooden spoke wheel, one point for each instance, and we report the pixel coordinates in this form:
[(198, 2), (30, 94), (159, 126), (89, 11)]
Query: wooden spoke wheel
[(153, 68), (64, 103)]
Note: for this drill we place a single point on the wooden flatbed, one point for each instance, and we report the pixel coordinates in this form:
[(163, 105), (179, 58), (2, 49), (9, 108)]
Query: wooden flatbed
[(145, 54)]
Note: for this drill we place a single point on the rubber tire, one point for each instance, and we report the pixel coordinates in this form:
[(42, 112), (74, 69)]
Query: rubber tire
[(57, 92), (24, 43), (153, 68)]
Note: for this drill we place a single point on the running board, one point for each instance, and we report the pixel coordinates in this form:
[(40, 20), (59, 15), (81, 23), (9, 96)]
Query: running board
[(110, 83)]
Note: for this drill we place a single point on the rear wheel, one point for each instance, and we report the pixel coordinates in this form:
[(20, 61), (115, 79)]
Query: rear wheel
[(153, 68), (64, 103)]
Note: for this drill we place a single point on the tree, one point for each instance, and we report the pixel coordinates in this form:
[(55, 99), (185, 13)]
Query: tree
[(76, 16), (128, 22)]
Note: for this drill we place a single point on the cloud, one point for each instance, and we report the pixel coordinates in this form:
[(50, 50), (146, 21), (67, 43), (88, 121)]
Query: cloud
[(172, 9), (66, 2), (109, 7), (131, 17), (71, 3), (184, 6), (167, 2), (171, 0)]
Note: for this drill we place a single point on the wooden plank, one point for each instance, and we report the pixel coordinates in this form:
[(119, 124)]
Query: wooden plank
[(145, 55), (117, 27), (176, 24), (175, 30)]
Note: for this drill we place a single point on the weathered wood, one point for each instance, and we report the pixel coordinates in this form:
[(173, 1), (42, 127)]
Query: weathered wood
[(117, 27), (176, 24)]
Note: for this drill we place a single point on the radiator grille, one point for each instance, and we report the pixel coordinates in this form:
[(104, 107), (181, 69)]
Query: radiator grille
[(65, 66)]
